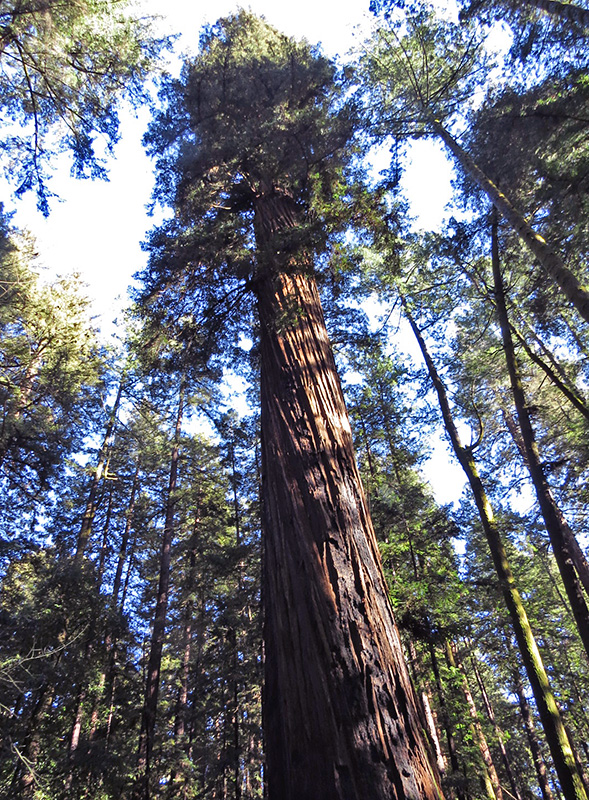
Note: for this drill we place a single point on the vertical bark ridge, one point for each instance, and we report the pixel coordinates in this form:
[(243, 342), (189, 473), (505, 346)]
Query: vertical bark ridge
[(340, 715)]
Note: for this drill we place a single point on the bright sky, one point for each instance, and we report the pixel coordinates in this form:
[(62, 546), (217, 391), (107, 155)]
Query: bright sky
[(96, 227)]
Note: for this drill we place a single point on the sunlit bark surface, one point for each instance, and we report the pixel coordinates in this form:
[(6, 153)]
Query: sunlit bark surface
[(340, 718)]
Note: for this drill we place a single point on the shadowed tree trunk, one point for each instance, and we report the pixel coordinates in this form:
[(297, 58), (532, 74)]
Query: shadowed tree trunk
[(559, 381), (177, 782), (116, 587), (141, 788), (428, 715), (24, 780), (561, 536), (457, 772), (556, 736), (564, 11), (530, 729), (498, 732), (340, 715), (99, 472)]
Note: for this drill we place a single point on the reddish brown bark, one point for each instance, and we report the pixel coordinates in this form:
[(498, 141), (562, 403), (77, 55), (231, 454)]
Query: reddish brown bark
[(25, 779), (340, 715)]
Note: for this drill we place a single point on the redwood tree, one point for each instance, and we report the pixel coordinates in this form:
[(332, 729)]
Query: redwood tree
[(253, 149)]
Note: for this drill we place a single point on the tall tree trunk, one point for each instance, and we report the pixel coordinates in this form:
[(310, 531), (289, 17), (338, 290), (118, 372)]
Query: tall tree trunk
[(489, 779), (498, 732), (559, 532), (141, 788), (75, 732), (15, 405), (25, 775), (576, 554), (105, 532), (177, 782), (547, 257), (558, 741), (116, 587), (569, 392), (530, 729), (428, 715), (457, 772), (340, 715)]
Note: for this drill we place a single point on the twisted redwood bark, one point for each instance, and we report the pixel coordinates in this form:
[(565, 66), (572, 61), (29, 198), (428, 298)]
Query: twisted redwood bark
[(340, 715)]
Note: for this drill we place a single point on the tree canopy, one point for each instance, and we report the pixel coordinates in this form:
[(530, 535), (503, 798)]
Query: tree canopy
[(196, 603), (64, 67)]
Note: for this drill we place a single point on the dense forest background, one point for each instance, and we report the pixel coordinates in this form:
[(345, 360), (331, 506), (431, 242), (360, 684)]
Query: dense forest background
[(131, 554)]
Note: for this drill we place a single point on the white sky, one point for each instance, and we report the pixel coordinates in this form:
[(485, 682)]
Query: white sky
[(96, 227)]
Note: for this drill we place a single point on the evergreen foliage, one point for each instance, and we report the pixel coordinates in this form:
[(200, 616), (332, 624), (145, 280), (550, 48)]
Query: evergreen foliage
[(64, 65), (134, 502)]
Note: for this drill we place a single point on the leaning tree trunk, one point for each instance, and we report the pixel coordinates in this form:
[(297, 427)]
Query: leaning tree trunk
[(457, 772), (530, 729), (558, 530), (558, 742), (340, 715), (97, 475), (498, 732), (571, 394), (546, 255)]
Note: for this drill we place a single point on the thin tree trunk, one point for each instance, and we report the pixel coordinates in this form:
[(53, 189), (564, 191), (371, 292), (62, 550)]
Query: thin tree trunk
[(425, 705), (181, 712), (446, 723), (558, 742), (100, 693), (498, 732), (340, 715), (575, 552), (141, 788), (75, 733), (559, 532), (105, 533), (557, 381), (233, 638), (548, 258), (116, 587), (25, 775), (489, 779), (534, 744), (18, 402)]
